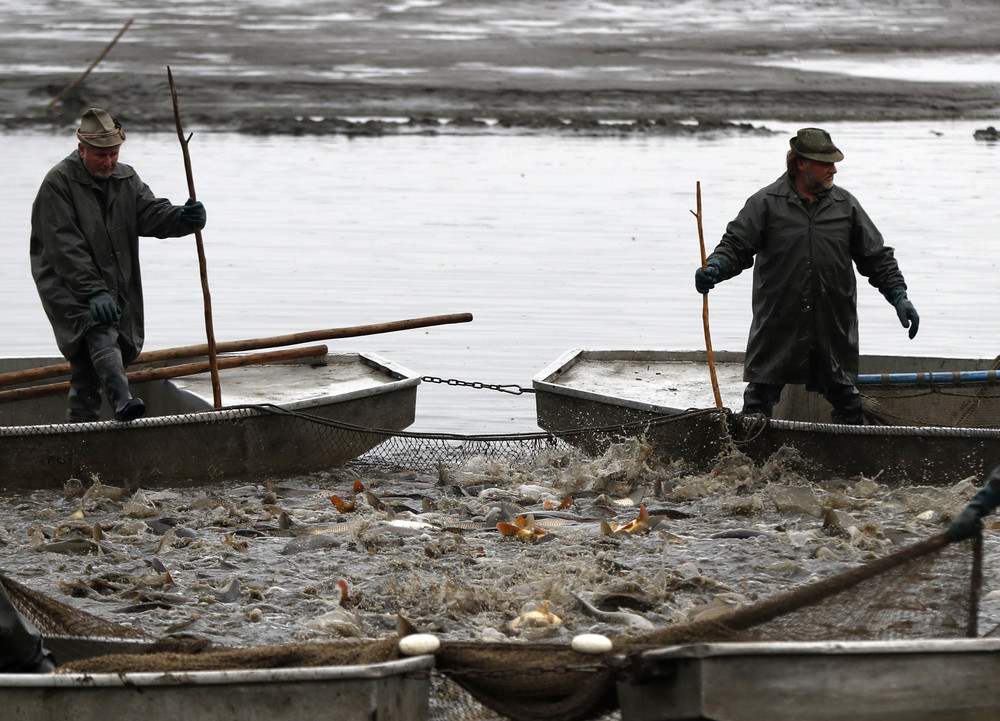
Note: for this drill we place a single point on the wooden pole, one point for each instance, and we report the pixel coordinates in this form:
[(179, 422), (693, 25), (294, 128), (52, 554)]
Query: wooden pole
[(704, 307), (86, 72), (154, 374), (202, 265), (31, 375)]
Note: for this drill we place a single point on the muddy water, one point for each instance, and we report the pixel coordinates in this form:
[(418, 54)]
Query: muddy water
[(550, 242), (225, 564)]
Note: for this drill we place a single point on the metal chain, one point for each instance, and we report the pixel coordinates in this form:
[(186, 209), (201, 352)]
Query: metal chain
[(511, 388)]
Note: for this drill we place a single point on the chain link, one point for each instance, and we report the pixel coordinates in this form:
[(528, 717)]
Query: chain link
[(511, 388)]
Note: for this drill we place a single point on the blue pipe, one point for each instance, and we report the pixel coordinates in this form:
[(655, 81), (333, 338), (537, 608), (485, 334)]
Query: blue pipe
[(931, 378)]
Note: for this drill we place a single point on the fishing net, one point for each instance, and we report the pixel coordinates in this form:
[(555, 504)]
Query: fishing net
[(435, 451), (952, 400), (951, 406), (53, 618), (928, 590)]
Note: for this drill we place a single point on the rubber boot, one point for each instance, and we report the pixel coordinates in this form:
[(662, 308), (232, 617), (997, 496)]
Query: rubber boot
[(83, 405), (111, 371), (761, 398), (846, 402), (84, 401)]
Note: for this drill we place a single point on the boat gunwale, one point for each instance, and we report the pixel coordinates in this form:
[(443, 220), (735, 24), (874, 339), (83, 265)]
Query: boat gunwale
[(402, 378), (801, 648), (544, 381), (381, 670)]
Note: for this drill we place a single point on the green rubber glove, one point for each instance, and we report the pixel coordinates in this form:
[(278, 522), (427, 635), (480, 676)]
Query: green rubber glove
[(907, 315), (966, 524), (104, 310), (194, 212), (969, 522), (706, 278), (905, 311)]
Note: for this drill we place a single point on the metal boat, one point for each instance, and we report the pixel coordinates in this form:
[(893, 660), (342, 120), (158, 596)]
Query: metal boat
[(294, 415), (932, 420), (391, 691), (819, 681)]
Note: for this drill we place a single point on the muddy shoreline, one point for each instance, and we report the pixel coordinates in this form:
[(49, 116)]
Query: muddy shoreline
[(487, 67), (277, 107)]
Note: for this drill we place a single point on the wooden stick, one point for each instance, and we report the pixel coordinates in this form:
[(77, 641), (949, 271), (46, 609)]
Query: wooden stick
[(154, 374), (86, 72), (704, 307), (202, 265), (31, 375)]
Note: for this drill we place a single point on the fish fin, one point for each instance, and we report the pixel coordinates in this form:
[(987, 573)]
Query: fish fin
[(637, 495), (405, 627)]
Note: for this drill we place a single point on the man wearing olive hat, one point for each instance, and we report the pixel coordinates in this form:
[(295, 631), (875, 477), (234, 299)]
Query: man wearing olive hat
[(85, 226), (804, 236)]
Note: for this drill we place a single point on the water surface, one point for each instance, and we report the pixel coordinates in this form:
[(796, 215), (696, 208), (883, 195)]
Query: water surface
[(550, 242)]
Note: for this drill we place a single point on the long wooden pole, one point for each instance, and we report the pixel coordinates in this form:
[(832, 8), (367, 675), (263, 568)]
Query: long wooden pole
[(154, 374), (202, 265), (704, 307), (86, 72), (31, 375)]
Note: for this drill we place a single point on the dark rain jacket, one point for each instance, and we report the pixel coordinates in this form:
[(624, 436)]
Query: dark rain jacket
[(19, 640), (85, 239), (804, 287)]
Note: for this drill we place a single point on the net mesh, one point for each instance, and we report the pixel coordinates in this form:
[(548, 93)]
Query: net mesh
[(959, 404), (951, 406), (924, 591), (434, 451)]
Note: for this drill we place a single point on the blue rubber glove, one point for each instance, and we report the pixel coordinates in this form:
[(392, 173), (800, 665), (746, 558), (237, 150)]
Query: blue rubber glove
[(706, 278), (194, 212), (104, 310)]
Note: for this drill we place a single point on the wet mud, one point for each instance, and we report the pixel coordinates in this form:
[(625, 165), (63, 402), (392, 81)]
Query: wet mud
[(446, 67)]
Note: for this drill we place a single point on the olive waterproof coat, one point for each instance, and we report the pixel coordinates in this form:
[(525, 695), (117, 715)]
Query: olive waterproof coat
[(804, 286), (85, 240)]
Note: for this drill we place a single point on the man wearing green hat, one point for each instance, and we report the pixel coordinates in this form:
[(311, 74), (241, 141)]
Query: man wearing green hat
[(85, 226), (803, 236)]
